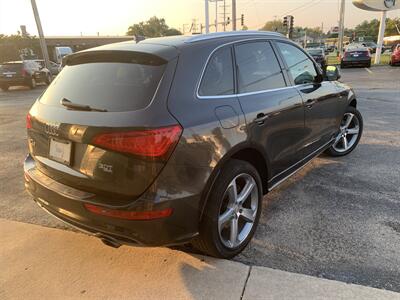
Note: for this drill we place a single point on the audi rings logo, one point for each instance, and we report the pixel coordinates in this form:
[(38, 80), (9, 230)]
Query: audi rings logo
[(51, 129), (389, 3)]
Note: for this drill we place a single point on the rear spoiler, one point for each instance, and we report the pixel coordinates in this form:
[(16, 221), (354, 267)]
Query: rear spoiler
[(112, 56)]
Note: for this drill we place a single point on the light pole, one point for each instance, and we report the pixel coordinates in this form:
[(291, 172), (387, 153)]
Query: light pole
[(381, 35), (207, 21), (341, 26), (383, 7), (42, 41), (216, 13), (234, 15)]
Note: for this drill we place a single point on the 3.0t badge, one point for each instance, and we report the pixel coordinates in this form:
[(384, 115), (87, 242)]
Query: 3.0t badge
[(51, 129)]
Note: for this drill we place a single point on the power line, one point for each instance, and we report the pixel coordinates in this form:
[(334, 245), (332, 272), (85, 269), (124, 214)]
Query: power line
[(299, 7)]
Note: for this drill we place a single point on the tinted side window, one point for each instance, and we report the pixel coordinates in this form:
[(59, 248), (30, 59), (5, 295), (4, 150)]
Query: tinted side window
[(300, 66), (257, 68), (218, 76)]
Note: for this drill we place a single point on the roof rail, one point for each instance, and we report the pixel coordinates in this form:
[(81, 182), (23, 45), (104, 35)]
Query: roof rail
[(215, 35)]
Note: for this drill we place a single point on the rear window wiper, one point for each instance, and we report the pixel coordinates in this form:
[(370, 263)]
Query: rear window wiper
[(75, 106)]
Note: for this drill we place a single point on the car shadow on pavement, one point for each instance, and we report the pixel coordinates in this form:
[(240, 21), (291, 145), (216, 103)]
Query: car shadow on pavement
[(338, 218)]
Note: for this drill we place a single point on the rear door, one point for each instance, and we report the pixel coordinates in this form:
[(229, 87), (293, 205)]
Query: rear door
[(273, 110), (116, 148), (320, 99)]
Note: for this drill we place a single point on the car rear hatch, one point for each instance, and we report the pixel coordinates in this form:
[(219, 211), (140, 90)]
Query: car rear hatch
[(10, 71), (103, 126), (357, 55)]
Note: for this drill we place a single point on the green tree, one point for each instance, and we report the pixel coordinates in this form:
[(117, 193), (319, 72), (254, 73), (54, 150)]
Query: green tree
[(314, 33), (154, 27), (391, 28), (275, 25), (371, 28), (11, 47)]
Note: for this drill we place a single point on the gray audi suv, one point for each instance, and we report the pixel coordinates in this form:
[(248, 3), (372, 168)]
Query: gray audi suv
[(176, 140)]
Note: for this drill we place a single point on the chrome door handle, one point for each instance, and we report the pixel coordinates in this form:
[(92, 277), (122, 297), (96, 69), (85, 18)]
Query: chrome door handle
[(261, 117), (310, 103)]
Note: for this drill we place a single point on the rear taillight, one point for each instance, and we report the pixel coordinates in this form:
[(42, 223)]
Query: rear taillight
[(129, 215), (154, 143), (24, 72), (28, 121)]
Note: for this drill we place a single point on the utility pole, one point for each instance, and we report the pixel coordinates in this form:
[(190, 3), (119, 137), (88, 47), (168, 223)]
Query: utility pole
[(224, 15), (341, 26), (305, 38), (234, 15), (42, 41), (207, 21), (216, 15), (381, 35), (322, 32)]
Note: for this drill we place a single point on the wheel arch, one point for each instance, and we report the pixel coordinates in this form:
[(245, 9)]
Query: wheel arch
[(246, 152)]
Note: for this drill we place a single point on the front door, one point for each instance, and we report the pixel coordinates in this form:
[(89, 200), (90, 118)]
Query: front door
[(320, 98), (273, 109)]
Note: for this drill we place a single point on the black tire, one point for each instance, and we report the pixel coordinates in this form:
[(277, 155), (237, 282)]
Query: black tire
[(342, 66), (32, 83), (332, 151), (4, 87), (369, 65), (209, 241), (48, 79)]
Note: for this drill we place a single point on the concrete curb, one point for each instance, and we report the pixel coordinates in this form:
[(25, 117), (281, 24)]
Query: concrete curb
[(41, 263)]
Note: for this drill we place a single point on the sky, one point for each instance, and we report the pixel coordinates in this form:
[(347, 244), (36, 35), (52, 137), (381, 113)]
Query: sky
[(89, 17)]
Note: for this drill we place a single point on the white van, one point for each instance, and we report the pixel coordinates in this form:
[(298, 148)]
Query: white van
[(60, 52)]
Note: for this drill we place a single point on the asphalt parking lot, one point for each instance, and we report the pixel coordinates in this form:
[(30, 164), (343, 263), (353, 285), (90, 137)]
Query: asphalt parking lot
[(337, 218)]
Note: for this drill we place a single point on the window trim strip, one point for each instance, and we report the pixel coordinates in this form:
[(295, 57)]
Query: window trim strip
[(269, 39)]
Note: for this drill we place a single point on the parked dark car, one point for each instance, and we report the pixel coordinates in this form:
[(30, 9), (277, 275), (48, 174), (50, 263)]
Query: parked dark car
[(25, 73), (360, 57), (319, 56), (371, 46), (331, 48), (395, 57), (54, 68), (176, 140)]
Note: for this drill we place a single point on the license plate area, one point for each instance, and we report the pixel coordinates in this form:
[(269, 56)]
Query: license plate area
[(60, 151)]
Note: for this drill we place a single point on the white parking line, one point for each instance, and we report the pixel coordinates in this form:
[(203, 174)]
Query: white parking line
[(369, 71)]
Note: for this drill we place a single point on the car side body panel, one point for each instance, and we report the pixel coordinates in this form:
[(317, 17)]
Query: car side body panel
[(214, 130)]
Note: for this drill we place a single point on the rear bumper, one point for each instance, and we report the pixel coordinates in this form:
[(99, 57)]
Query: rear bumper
[(14, 81), (67, 204), (358, 62)]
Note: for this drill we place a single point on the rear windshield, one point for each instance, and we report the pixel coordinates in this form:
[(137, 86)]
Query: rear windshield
[(359, 52), (10, 67), (112, 85), (315, 52)]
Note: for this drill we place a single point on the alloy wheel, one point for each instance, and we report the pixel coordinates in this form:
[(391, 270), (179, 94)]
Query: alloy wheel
[(349, 131), (238, 211)]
